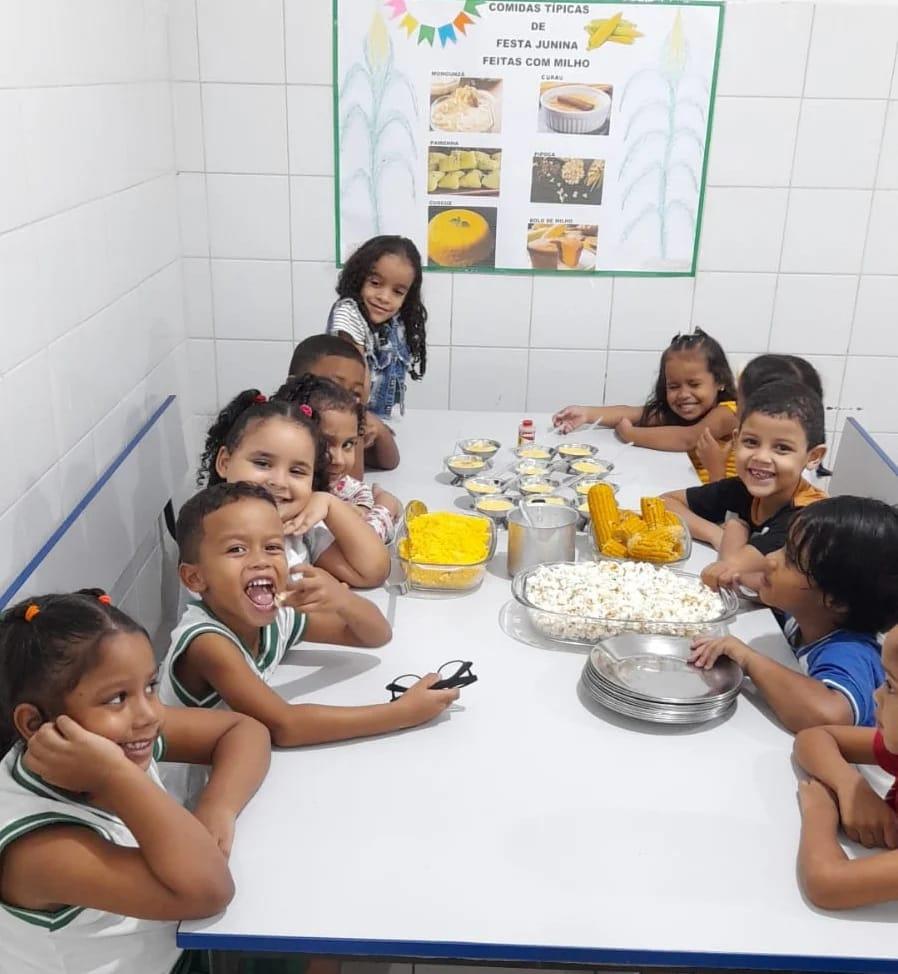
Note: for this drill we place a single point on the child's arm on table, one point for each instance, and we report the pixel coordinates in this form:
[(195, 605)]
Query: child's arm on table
[(357, 556), (177, 872), (700, 528), (238, 751), (830, 754), (573, 417), (381, 452), (336, 615), (719, 422), (830, 879), (798, 701), (212, 658)]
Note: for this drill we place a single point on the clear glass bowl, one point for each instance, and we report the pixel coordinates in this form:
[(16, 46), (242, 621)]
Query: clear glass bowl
[(571, 627), (480, 446), (446, 578), (685, 546)]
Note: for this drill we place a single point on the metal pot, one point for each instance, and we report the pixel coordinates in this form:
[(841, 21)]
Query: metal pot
[(550, 537)]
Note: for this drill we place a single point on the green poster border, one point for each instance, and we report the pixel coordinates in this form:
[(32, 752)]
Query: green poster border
[(530, 271)]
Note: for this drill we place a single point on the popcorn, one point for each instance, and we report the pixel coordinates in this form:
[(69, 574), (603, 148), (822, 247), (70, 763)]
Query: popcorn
[(595, 600)]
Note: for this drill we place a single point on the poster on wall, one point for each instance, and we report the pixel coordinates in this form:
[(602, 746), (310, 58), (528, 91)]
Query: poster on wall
[(542, 137)]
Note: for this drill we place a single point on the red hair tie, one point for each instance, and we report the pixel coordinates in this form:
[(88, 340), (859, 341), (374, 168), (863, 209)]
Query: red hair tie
[(260, 398), (306, 410), (105, 599)]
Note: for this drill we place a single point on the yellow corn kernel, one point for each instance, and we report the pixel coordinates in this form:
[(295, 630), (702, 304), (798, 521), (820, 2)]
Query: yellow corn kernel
[(614, 549), (603, 512), (671, 520), (653, 511), (631, 526)]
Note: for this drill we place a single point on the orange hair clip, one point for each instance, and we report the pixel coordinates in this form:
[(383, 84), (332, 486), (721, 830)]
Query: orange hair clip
[(31, 612)]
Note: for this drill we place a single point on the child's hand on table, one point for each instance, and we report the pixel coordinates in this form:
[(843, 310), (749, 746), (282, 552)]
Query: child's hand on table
[(706, 650), (422, 704), (866, 818), (570, 418), (313, 513)]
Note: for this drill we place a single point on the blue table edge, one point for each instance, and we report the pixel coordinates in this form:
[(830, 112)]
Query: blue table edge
[(533, 954)]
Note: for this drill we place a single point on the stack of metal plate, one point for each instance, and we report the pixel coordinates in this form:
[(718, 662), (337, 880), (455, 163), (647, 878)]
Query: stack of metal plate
[(650, 678)]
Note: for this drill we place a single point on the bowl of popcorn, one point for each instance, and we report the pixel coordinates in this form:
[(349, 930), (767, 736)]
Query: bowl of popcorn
[(463, 464), (576, 451), (534, 451), (582, 602), (445, 551), (495, 506), (481, 486), (590, 467), (653, 533), (480, 447)]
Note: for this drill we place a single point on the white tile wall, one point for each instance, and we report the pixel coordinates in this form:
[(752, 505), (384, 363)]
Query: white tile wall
[(90, 280), (798, 249)]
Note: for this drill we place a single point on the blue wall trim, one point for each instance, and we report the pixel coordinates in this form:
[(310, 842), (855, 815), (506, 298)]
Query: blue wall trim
[(886, 459), (405, 950), (77, 510)]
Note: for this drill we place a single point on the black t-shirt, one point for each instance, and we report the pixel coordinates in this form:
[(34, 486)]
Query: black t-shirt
[(730, 496)]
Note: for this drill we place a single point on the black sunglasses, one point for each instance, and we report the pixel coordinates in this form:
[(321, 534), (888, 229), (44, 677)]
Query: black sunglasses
[(455, 673)]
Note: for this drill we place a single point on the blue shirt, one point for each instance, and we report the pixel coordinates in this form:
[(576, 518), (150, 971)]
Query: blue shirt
[(846, 661)]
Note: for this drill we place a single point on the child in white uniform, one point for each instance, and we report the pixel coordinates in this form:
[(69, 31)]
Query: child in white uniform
[(224, 652), (89, 840), (277, 445)]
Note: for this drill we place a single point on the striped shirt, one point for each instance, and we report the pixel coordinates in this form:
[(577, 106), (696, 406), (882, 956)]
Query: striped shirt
[(73, 939)]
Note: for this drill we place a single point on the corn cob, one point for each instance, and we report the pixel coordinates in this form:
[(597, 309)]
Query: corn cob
[(602, 32), (657, 544), (653, 511), (631, 526), (614, 549), (603, 512), (671, 520)]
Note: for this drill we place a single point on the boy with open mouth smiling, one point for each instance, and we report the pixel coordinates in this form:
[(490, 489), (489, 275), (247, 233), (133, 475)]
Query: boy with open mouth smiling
[(781, 434), (227, 646)]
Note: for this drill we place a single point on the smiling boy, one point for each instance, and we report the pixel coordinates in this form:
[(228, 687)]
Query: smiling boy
[(338, 359), (227, 646), (745, 517)]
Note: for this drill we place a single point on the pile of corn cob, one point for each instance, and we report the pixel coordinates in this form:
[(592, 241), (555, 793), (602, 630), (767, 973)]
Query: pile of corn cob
[(656, 536), (614, 29)]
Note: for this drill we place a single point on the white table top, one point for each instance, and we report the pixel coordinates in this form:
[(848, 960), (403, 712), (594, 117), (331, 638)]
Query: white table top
[(528, 825)]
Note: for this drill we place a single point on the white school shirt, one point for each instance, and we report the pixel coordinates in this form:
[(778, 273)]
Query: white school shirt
[(186, 781), (73, 939), (306, 549)]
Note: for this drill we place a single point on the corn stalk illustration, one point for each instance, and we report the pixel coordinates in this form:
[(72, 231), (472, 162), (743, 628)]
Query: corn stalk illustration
[(673, 115), (376, 115)]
